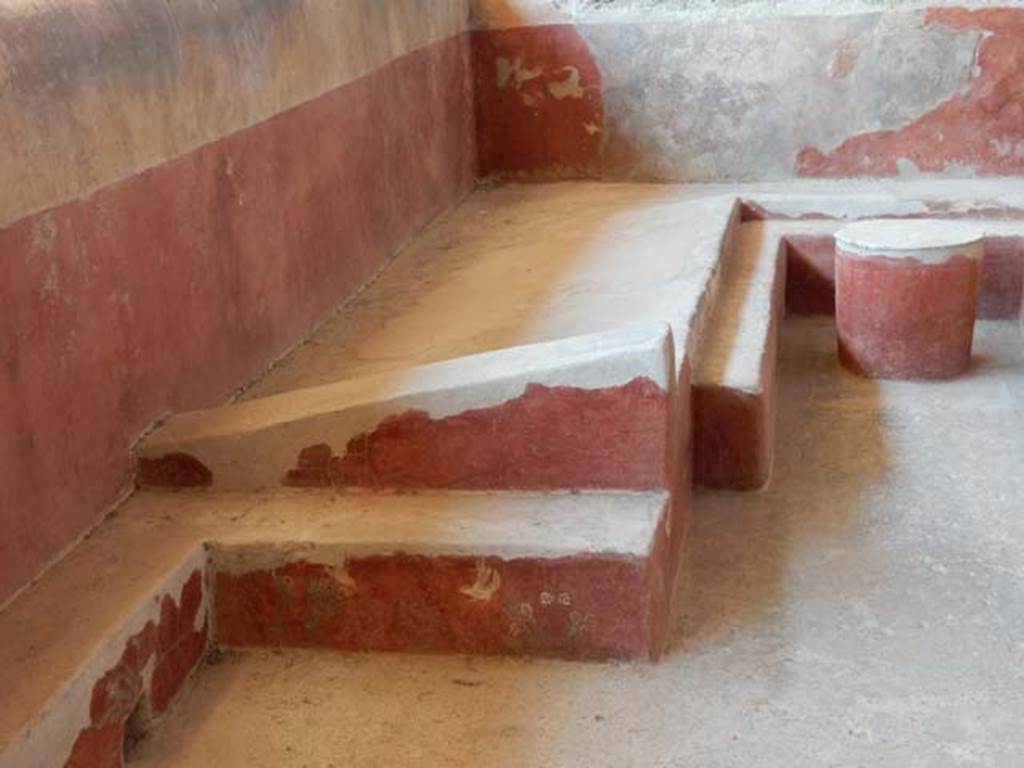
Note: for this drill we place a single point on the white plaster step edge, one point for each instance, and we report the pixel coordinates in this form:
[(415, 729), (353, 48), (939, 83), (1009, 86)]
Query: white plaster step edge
[(739, 334), (507, 524)]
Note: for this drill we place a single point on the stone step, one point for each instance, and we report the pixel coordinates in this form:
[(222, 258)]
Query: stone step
[(573, 575), (593, 411), (734, 377)]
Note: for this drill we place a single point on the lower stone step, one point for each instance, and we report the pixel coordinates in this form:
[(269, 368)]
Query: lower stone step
[(593, 411), (580, 576), (102, 644)]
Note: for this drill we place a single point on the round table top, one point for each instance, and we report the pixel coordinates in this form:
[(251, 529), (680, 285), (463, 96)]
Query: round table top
[(923, 239)]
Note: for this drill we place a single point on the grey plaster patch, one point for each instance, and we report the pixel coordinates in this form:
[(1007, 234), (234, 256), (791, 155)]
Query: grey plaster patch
[(740, 100)]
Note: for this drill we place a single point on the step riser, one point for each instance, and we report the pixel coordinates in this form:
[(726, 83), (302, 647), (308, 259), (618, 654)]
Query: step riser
[(734, 432), (586, 607), (487, 422), (615, 438), (811, 274), (734, 405)]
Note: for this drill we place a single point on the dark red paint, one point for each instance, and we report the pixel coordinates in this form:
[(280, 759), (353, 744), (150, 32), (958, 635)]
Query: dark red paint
[(734, 431), (165, 291), (730, 435), (522, 128), (547, 438), (583, 607), (179, 646), (313, 469), (810, 274), (980, 129), (1002, 278), (176, 648), (173, 470), (902, 319)]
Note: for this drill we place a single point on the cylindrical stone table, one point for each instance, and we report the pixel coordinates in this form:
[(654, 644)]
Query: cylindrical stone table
[(906, 292)]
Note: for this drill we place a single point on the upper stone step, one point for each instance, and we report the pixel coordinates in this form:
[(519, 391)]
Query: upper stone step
[(524, 264), (587, 412)]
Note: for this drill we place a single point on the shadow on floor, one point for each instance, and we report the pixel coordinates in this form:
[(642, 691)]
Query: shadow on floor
[(830, 446)]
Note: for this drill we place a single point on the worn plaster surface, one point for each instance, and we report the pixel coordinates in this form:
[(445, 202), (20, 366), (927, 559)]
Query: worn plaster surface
[(218, 259), (865, 610), (507, 13), (522, 264), (731, 353), (97, 92), (674, 91)]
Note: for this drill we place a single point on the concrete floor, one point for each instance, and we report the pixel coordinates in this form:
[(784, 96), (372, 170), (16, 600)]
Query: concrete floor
[(866, 610)]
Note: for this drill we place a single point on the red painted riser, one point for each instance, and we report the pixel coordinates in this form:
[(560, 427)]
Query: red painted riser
[(732, 438), (586, 607), (811, 275), (216, 261), (172, 648), (548, 438), (1002, 278), (903, 319), (734, 431)]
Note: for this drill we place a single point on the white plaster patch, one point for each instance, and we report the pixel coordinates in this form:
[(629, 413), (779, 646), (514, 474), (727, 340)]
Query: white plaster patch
[(250, 558), (907, 168), (515, 72), (486, 584), (569, 88), (1003, 147)]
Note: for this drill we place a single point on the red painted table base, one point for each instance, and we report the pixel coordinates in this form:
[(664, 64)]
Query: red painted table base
[(906, 315)]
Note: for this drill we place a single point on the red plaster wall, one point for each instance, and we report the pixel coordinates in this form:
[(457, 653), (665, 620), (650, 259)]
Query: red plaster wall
[(165, 291), (811, 274), (528, 121)]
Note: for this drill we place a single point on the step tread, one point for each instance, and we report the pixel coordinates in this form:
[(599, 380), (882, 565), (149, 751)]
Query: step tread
[(731, 353), (518, 265)]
